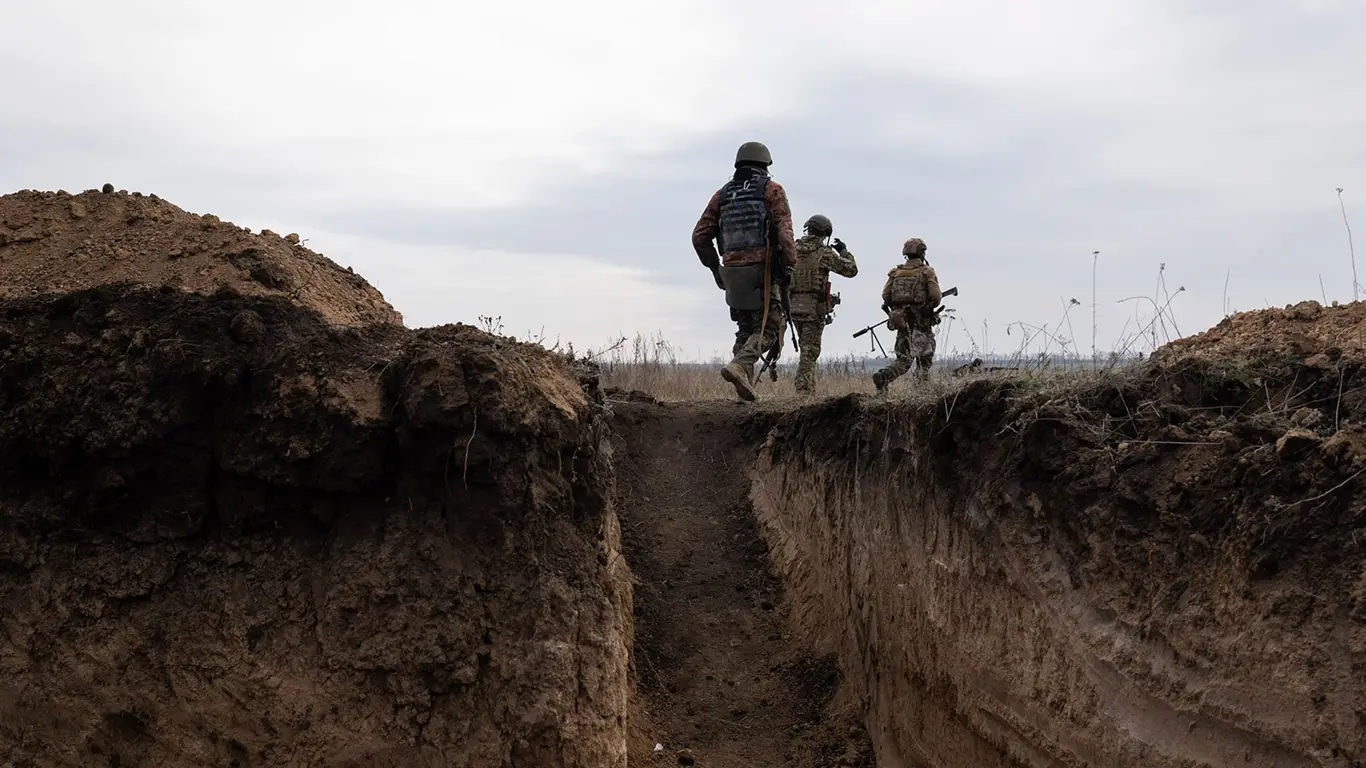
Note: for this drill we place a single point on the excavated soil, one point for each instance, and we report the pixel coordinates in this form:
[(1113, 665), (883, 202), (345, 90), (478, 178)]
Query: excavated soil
[(308, 544), (1307, 331), (57, 242)]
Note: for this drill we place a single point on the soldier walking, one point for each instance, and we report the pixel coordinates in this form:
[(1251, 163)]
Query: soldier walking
[(811, 303), (751, 222), (909, 297)]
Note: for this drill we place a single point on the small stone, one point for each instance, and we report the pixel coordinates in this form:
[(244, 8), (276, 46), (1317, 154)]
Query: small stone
[(107, 189), (268, 233), (209, 221), (77, 210), (175, 253), (1319, 360), (685, 757), (292, 238), (1225, 438), (1307, 417), (247, 327), (1294, 442)]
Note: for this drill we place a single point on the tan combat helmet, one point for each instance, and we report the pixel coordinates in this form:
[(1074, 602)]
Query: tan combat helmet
[(753, 152), (819, 226), (914, 248)]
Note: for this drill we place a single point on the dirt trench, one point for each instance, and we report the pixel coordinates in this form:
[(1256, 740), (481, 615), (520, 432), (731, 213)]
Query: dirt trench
[(1163, 567), (718, 670), (247, 518)]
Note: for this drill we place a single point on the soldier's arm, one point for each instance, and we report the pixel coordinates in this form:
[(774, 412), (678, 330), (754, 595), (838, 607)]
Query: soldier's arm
[(887, 286), (842, 264), (705, 231), (932, 286), (781, 213)]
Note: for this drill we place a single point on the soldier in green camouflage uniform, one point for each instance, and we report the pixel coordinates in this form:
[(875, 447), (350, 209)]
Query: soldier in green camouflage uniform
[(810, 292), (909, 297)]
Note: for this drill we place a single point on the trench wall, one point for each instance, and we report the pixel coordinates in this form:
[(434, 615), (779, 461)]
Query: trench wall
[(1012, 579), (231, 534)]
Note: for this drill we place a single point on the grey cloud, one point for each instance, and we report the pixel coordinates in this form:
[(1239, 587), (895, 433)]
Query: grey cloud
[(1013, 220)]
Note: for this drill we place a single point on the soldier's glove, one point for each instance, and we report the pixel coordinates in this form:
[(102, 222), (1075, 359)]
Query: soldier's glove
[(716, 273), (885, 310), (782, 275), (839, 245)]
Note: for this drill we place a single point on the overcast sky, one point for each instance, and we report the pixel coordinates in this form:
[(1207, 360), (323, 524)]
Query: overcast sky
[(545, 162)]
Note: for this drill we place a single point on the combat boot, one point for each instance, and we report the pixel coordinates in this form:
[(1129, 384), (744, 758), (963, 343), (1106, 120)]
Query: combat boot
[(880, 381), (739, 378)]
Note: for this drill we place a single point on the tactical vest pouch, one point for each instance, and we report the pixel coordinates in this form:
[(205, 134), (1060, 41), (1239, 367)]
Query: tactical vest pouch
[(907, 288), (808, 305), (744, 286)]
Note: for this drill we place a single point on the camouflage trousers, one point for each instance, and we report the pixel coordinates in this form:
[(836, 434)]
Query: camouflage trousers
[(749, 347), (913, 347), (809, 330)]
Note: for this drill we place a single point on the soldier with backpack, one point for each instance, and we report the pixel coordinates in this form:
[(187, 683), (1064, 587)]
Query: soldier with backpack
[(750, 219), (909, 297)]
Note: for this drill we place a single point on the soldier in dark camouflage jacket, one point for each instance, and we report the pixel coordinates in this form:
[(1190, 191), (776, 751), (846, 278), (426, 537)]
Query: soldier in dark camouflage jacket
[(751, 222)]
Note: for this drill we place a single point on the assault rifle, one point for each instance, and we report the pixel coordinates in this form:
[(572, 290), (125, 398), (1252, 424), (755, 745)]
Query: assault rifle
[(950, 292), (776, 351)]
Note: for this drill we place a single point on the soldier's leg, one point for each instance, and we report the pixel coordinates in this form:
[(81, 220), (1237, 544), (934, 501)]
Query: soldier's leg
[(740, 371), (809, 332), (898, 367), (750, 351), (922, 348), (745, 325)]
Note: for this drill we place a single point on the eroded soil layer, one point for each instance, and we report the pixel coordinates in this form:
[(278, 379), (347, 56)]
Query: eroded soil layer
[(231, 534), (1157, 569)]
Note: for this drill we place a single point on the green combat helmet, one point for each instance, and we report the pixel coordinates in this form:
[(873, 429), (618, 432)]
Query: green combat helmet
[(819, 226), (753, 152), (914, 248)]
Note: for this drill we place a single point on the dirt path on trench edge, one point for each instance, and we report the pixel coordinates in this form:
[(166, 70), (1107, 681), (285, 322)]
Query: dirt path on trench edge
[(717, 671)]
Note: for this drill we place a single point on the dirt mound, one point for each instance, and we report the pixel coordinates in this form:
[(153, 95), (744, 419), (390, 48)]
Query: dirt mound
[(57, 242), (1298, 331), (307, 544), (1165, 568)]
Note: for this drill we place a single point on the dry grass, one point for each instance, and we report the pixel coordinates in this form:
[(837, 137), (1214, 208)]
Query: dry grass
[(650, 364)]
